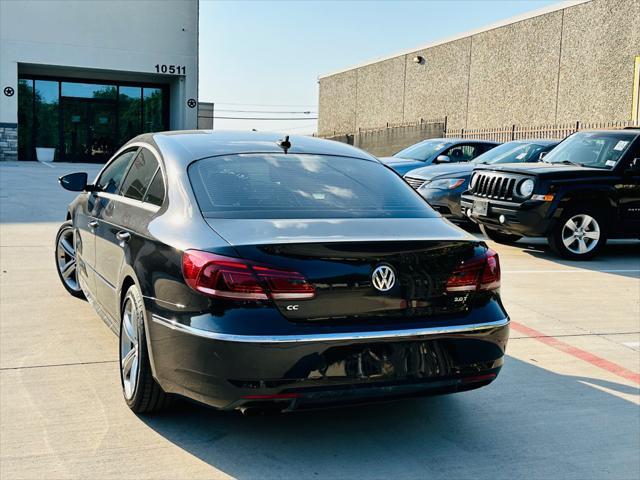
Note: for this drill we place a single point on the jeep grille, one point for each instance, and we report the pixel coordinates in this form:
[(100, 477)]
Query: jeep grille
[(491, 185)]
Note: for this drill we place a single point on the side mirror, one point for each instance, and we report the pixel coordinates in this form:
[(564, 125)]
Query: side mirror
[(542, 155), (74, 182), (634, 167), (443, 159)]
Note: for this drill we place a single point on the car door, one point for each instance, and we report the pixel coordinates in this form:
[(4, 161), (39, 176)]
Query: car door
[(99, 206), (628, 193), (124, 216), (85, 242), (108, 180)]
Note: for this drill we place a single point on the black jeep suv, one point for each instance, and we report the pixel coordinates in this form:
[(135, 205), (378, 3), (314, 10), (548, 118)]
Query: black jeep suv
[(586, 190)]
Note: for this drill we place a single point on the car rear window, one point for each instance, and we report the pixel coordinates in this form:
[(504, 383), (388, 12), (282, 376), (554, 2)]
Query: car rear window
[(140, 174), (155, 192), (301, 186)]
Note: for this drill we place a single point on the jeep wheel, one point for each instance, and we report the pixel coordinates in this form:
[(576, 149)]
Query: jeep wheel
[(500, 237), (579, 235)]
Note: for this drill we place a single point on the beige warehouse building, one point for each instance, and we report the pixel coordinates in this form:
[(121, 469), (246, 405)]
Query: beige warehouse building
[(578, 61)]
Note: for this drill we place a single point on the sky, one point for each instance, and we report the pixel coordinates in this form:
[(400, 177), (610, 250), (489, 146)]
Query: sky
[(259, 57)]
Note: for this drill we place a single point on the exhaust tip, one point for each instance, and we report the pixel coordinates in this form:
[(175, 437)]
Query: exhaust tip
[(260, 411)]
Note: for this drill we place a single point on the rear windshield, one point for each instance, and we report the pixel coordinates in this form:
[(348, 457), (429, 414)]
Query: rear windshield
[(301, 186)]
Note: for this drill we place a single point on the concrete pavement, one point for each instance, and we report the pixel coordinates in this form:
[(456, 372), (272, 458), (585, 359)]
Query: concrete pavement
[(564, 406)]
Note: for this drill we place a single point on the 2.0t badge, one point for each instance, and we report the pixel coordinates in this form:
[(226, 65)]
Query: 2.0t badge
[(383, 278)]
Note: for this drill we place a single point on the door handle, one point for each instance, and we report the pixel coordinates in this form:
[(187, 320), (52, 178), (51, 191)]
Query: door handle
[(123, 237), (93, 224)]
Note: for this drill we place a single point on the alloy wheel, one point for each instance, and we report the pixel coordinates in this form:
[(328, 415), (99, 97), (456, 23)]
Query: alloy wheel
[(129, 353), (581, 234), (66, 256)]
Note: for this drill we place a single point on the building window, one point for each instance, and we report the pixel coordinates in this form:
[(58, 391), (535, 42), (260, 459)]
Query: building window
[(47, 101), (86, 121), (89, 90), (25, 119), (129, 112), (152, 107)]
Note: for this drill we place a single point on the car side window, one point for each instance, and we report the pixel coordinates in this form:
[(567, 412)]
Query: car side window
[(112, 176), (140, 174), (483, 149), (155, 192), (463, 153)]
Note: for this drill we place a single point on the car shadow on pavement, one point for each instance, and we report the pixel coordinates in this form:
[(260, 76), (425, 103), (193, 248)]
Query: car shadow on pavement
[(530, 423)]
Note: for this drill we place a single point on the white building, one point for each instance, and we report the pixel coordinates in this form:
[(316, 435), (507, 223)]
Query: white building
[(85, 76)]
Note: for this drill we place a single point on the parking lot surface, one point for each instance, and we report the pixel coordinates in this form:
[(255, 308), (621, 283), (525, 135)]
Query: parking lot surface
[(566, 404)]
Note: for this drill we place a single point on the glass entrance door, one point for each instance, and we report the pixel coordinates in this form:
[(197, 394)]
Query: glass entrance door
[(74, 130), (88, 129), (103, 135)]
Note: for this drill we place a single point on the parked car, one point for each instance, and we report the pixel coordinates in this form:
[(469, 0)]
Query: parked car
[(442, 185), (586, 191), (248, 272), (437, 150)]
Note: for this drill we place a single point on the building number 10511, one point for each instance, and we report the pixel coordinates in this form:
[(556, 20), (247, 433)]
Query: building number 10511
[(172, 69)]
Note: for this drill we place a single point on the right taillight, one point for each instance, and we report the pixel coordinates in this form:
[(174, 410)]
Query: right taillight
[(490, 279), (478, 273), (233, 278)]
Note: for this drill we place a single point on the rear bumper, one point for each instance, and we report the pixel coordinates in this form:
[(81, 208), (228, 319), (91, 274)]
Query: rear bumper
[(308, 371), (529, 219)]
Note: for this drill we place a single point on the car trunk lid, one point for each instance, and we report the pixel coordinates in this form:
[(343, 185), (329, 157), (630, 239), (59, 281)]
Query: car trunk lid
[(339, 257)]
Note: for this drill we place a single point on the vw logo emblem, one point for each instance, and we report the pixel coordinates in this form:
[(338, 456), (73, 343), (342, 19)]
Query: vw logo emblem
[(383, 278)]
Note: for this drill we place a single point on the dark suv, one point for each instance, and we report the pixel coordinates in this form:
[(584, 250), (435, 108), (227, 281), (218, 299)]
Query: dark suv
[(586, 190)]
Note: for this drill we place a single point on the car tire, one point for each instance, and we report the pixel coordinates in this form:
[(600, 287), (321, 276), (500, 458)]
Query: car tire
[(580, 234), (500, 237), (65, 257), (140, 390)]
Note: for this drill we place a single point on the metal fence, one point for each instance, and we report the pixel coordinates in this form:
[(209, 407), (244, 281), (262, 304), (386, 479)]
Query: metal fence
[(519, 132), (393, 137)]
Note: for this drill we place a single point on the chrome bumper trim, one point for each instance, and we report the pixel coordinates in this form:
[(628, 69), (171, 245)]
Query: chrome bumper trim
[(330, 337)]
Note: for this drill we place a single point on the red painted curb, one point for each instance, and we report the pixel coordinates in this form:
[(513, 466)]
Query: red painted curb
[(577, 352)]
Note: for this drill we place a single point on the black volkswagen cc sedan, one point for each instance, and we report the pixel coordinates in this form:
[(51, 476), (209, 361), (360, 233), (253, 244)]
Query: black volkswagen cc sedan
[(248, 272)]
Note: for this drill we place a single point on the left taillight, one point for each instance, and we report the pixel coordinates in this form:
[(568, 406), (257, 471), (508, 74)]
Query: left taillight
[(232, 278), (477, 274)]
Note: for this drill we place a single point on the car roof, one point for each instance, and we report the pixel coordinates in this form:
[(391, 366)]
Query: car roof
[(459, 140), (539, 141), (627, 131), (192, 145)]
